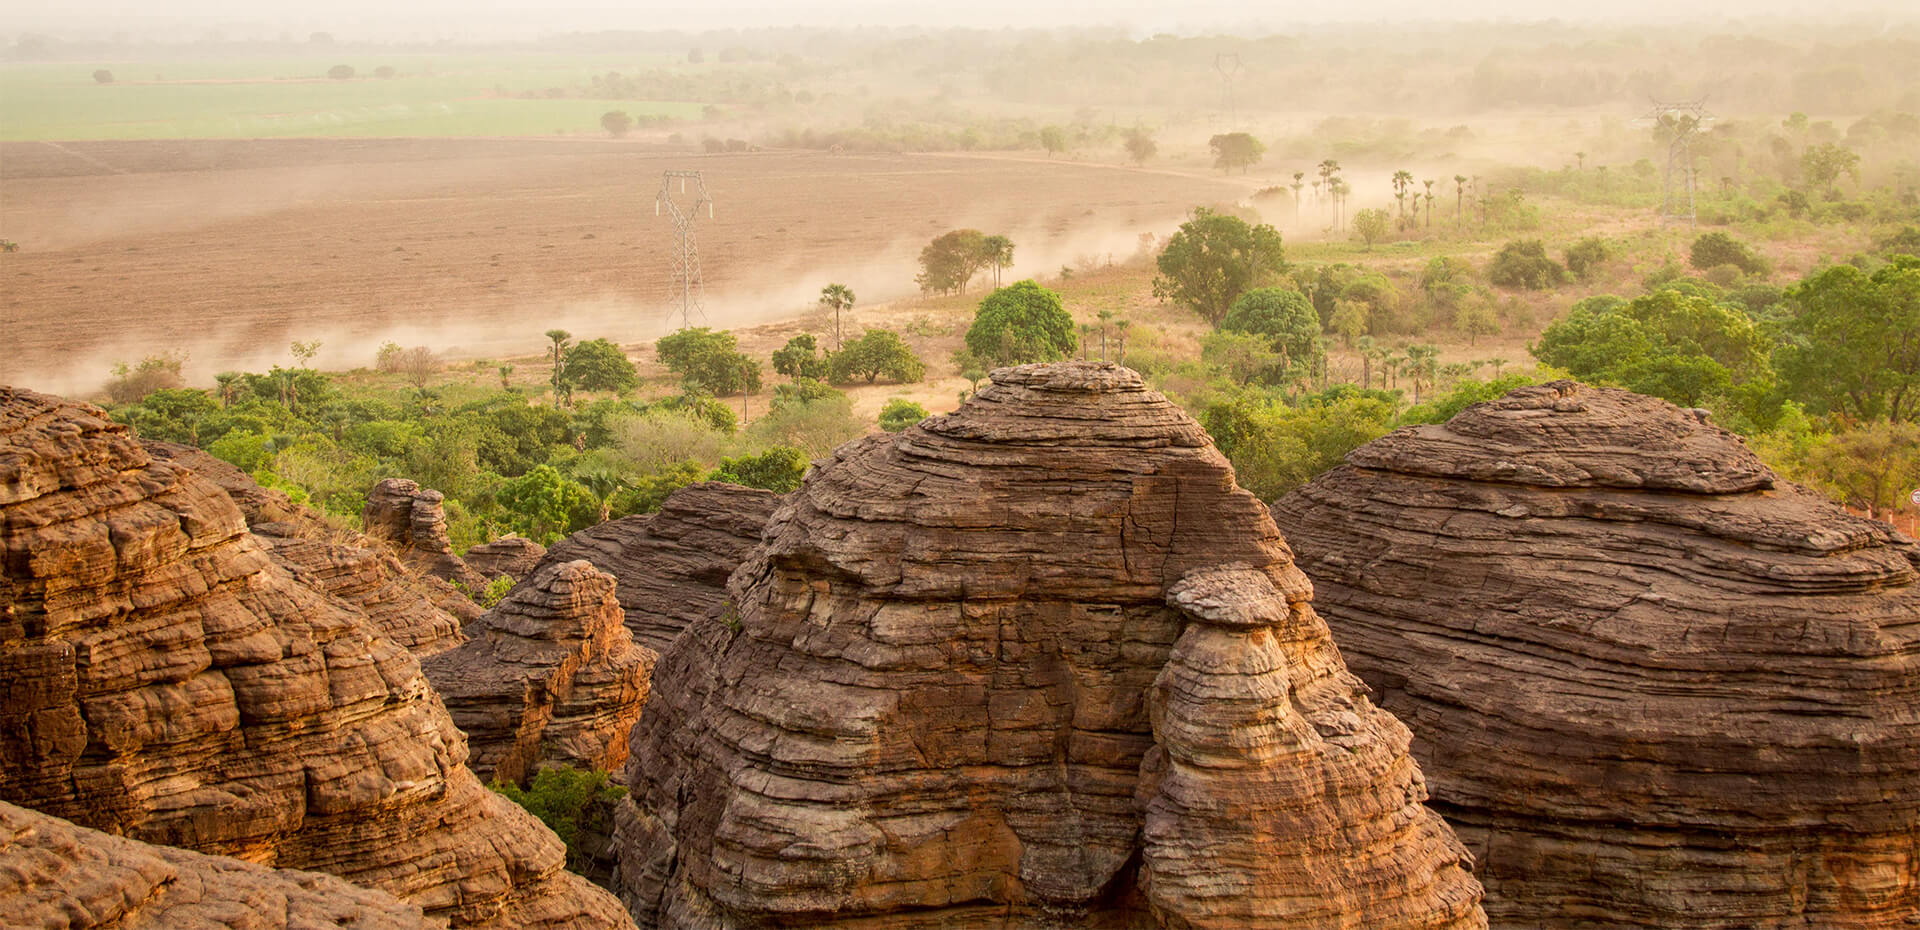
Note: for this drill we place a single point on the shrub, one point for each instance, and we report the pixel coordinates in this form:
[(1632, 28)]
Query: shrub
[(340, 72), (778, 469), (574, 803), (387, 359), (1716, 248), (814, 426), (103, 76), (1283, 316), (546, 505), (709, 360), (1022, 322), (1585, 257), (900, 413), (616, 123), (599, 365), (1524, 263), (877, 352), (132, 383), (660, 438), (800, 358)]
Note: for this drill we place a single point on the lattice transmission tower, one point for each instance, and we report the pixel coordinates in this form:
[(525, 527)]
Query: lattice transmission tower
[(1228, 64), (685, 260), (1678, 123)]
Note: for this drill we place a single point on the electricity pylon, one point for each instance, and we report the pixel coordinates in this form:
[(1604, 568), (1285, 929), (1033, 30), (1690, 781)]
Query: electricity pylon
[(686, 261)]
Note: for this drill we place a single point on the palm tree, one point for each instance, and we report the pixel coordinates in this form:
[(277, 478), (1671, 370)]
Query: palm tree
[(506, 372), (1297, 175), (1429, 185), (1120, 337), (839, 297), (1402, 182), (1366, 346), (1459, 194), (558, 352), (1340, 191), (1328, 168), (229, 382), (1423, 366), (1582, 156), (601, 480), (1496, 362)]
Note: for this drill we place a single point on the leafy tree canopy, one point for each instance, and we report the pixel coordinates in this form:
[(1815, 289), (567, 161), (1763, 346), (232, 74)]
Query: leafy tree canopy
[(778, 469), (708, 360), (800, 358), (1283, 316), (900, 413), (951, 260), (1852, 341), (1022, 322), (1236, 150), (1213, 259), (599, 365), (876, 353), (1523, 263)]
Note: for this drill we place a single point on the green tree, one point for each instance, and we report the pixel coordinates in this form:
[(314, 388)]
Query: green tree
[(1349, 320), (1139, 144), (1682, 347), (599, 365), (1214, 258), (1244, 357), (1022, 322), (999, 253), (1852, 341), (1053, 139), (900, 413), (574, 803), (1823, 164), (546, 505), (1402, 185), (815, 425), (616, 123), (1275, 447), (951, 260), (1523, 263), (876, 353), (1476, 319), (603, 478), (1235, 150), (1370, 226), (800, 358), (778, 469), (708, 360), (1871, 468), (1284, 316), (838, 297)]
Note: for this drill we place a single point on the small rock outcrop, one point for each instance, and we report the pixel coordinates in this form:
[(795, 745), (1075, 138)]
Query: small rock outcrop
[(413, 520), (509, 556), (672, 566), (551, 677), (1652, 685), (57, 875), (163, 678), (1035, 662), (422, 613)]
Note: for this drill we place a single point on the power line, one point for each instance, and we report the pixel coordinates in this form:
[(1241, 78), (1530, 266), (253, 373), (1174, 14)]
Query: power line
[(685, 261)]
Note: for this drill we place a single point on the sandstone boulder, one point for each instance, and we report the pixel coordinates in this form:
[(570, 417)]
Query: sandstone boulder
[(509, 556), (1036, 662), (672, 566), (61, 877), (551, 677), (413, 520), (1651, 684), (420, 612), (163, 678)]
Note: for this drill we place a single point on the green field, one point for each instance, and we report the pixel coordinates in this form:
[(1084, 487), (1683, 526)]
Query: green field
[(291, 96)]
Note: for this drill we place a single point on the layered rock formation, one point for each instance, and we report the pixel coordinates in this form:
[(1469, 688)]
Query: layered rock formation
[(57, 875), (422, 613), (413, 520), (1035, 661), (1653, 686), (551, 677), (672, 566), (162, 678), (510, 556)]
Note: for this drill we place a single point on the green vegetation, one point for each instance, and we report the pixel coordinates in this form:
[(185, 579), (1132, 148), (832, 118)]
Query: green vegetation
[(1022, 322), (877, 353), (900, 413), (576, 804), (1213, 259)]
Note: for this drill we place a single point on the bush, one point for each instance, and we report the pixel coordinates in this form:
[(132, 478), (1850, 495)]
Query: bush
[(546, 505), (574, 803), (900, 413), (800, 358), (877, 352), (708, 360), (646, 494), (815, 426), (1716, 248), (387, 360), (1585, 257), (1524, 263), (616, 123), (778, 469), (103, 76), (340, 72), (1022, 322), (132, 383), (1282, 315), (660, 439), (599, 365)]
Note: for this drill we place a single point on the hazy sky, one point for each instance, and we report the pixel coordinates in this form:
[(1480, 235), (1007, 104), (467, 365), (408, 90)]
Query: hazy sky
[(399, 18)]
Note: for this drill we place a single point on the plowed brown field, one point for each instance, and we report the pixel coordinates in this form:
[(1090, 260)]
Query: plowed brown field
[(229, 250)]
